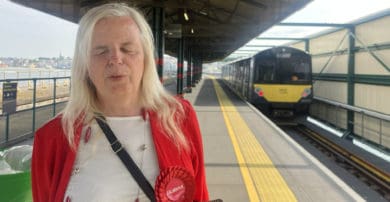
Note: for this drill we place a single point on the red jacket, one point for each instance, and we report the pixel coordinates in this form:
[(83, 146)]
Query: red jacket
[(53, 160)]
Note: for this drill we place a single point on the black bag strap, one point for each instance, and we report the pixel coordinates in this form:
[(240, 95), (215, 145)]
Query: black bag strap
[(127, 160)]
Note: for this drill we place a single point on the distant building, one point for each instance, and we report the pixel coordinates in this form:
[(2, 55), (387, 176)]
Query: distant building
[(41, 62), (3, 65)]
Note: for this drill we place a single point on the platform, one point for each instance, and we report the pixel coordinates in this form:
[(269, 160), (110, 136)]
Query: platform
[(248, 158)]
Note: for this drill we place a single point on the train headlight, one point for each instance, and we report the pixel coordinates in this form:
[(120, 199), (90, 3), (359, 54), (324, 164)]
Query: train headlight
[(259, 92), (306, 92)]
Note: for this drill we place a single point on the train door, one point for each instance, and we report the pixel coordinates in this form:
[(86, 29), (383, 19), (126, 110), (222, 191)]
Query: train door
[(241, 78), (245, 79), (251, 69)]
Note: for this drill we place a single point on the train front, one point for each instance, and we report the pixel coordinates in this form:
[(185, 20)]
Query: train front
[(282, 82)]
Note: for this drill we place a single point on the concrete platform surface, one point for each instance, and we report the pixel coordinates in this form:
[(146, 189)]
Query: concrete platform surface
[(234, 178)]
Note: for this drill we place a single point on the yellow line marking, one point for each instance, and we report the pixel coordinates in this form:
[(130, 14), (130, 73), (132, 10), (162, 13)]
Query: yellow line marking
[(262, 180)]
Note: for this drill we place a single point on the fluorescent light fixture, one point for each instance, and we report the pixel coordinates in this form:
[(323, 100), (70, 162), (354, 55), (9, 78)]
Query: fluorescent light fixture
[(372, 150), (186, 16), (323, 126)]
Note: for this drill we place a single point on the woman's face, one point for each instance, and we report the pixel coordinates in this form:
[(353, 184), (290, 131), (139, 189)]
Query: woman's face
[(117, 59)]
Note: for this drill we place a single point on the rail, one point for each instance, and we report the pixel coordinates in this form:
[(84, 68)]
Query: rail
[(363, 168), (38, 99), (367, 124)]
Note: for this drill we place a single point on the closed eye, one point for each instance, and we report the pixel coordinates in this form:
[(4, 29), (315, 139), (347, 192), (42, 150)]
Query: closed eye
[(99, 51), (128, 51)]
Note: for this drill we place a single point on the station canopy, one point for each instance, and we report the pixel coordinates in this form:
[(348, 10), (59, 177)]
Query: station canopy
[(316, 18), (212, 29)]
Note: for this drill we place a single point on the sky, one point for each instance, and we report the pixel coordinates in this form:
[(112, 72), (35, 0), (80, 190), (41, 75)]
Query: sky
[(28, 33)]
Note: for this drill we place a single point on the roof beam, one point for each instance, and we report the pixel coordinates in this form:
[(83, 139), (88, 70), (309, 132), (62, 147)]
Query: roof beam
[(254, 3), (166, 4), (213, 48), (232, 26), (236, 34), (227, 11), (259, 46), (280, 38), (313, 24), (76, 12), (207, 17), (90, 3), (250, 51), (213, 43), (235, 53)]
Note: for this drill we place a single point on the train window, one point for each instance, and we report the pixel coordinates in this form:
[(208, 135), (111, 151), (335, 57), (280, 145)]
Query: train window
[(285, 67), (294, 70), (265, 72)]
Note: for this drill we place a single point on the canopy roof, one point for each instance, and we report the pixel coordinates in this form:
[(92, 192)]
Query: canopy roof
[(214, 29)]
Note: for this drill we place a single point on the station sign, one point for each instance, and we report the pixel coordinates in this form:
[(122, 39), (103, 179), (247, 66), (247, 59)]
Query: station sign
[(9, 97)]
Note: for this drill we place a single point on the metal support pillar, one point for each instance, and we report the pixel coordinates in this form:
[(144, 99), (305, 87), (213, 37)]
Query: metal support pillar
[(194, 71), (6, 127), (307, 45), (158, 33), (180, 62), (201, 69), (350, 79), (34, 101), (189, 71), (54, 96)]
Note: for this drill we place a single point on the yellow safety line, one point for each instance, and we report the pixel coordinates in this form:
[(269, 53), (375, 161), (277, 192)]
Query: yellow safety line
[(262, 180)]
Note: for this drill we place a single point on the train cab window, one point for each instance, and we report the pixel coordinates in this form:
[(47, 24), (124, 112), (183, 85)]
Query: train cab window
[(268, 74), (296, 71), (265, 72), (286, 67), (302, 71)]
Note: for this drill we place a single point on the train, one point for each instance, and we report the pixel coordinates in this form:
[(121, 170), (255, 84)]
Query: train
[(278, 81)]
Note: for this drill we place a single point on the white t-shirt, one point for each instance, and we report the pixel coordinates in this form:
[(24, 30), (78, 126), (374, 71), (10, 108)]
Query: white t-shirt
[(98, 173)]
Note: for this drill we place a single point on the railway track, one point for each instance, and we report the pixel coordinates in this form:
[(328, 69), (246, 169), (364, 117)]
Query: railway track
[(374, 177)]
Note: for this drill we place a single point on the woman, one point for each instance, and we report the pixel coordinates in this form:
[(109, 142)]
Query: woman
[(114, 81)]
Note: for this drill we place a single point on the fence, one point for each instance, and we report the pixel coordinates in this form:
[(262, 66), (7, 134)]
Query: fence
[(38, 99), (370, 126)]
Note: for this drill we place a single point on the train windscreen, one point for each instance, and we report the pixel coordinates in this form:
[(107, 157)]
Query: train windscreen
[(283, 68)]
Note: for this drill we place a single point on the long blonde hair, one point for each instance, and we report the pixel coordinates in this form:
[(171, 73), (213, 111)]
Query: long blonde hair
[(83, 104)]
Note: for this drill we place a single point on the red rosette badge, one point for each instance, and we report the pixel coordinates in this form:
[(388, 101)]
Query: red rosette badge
[(174, 184)]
